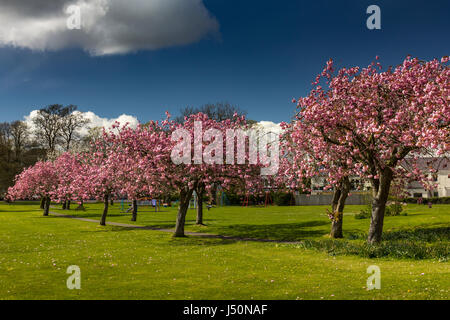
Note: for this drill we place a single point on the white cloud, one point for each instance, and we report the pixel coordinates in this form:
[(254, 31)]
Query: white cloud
[(269, 126), (94, 121), (107, 26), (97, 121)]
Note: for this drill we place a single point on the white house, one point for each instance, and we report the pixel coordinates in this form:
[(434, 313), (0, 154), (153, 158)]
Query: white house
[(442, 178), (415, 189)]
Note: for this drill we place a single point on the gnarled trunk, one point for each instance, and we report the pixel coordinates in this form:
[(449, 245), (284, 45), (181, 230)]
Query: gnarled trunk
[(105, 210), (380, 196), (185, 198), (43, 199), (47, 206), (68, 205), (64, 205), (134, 210), (335, 200), (336, 225), (339, 197)]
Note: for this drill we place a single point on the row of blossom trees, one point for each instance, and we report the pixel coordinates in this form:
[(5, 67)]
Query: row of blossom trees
[(359, 122), (140, 163)]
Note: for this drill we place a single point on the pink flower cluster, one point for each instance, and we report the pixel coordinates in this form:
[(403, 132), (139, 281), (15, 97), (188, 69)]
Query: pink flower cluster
[(362, 121)]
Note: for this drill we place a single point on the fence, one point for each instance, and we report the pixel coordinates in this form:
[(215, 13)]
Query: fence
[(325, 199)]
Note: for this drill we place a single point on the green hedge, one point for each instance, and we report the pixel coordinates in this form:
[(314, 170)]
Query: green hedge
[(234, 199), (394, 209), (283, 199)]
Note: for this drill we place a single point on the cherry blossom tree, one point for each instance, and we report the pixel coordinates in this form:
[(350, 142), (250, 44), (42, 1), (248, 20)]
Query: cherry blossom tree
[(307, 158), (97, 176), (67, 167), (135, 155), (375, 119), (37, 181)]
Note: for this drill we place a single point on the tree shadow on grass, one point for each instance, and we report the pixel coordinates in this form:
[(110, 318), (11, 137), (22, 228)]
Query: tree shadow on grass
[(163, 224), (159, 225), (188, 240), (80, 214), (84, 214), (118, 228), (289, 232), (279, 232), (200, 241), (22, 211), (21, 203), (153, 211)]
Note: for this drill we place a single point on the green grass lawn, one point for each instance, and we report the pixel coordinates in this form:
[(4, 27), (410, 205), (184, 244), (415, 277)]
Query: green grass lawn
[(125, 263), (288, 223)]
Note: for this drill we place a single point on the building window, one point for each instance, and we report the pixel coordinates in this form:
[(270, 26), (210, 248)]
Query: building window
[(436, 194), (417, 195)]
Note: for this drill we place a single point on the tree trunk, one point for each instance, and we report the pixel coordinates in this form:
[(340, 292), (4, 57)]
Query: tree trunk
[(380, 197), (47, 206), (338, 205), (213, 193), (134, 211), (68, 205), (43, 199), (199, 206), (336, 223), (185, 198), (112, 201), (105, 211), (200, 209), (64, 205), (335, 200)]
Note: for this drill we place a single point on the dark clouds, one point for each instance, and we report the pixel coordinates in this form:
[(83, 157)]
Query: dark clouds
[(108, 26)]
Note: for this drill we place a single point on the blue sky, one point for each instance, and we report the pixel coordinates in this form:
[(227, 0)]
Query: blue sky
[(264, 54)]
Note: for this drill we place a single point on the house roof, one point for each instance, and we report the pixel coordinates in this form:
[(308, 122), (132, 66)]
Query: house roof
[(436, 163)]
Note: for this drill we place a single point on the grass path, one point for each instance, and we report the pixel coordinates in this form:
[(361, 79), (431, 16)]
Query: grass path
[(197, 234)]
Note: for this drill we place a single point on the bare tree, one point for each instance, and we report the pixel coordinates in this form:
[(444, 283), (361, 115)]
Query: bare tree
[(16, 152), (71, 123), (217, 111), (20, 135), (56, 125), (5, 132), (48, 125), (5, 140)]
